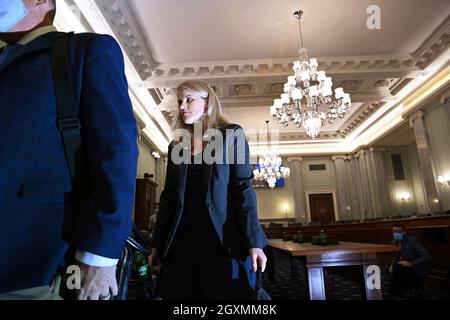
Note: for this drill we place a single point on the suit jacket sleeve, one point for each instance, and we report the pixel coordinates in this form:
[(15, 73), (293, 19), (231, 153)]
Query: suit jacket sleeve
[(420, 263), (241, 180), (110, 138), (167, 207)]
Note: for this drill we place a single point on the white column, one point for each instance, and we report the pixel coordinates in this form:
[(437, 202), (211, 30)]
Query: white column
[(381, 183), (367, 206), (444, 191), (426, 169), (445, 103), (353, 210), (362, 203), (342, 187), (373, 183), (296, 166)]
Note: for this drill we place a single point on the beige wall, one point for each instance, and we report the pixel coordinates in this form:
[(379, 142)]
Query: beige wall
[(146, 162), (157, 167), (273, 203)]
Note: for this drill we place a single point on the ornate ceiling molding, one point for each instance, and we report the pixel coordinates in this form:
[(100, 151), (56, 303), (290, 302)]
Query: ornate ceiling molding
[(294, 136), (370, 79), (363, 113), (433, 46), (366, 67), (123, 22)]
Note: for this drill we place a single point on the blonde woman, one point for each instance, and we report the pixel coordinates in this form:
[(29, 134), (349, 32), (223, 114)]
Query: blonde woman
[(207, 234)]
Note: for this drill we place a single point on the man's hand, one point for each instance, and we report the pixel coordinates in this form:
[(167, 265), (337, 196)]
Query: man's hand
[(404, 263), (97, 283), (258, 259)]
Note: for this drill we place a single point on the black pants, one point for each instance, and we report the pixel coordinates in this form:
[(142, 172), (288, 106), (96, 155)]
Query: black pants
[(404, 278)]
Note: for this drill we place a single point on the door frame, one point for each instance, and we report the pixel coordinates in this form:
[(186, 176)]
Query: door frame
[(320, 191)]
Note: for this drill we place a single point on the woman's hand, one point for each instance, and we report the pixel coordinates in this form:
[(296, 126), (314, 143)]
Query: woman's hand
[(152, 256), (258, 259)]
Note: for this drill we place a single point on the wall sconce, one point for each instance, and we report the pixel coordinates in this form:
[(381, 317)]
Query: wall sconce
[(405, 196), (156, 155), (444, 180)]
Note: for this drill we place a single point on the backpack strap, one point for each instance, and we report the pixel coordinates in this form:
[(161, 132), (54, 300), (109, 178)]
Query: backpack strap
[(68, 120)]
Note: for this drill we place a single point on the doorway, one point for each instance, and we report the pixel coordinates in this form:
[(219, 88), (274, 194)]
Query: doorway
[(322, 208)]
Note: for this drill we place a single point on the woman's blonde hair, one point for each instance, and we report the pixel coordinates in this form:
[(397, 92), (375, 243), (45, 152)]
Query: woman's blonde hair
[(213, 118)]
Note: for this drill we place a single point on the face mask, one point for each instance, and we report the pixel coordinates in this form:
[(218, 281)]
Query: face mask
[(11, 12), (398, 236)]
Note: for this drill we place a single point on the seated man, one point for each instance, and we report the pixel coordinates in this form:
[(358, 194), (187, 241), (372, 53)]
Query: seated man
[(411, 263)]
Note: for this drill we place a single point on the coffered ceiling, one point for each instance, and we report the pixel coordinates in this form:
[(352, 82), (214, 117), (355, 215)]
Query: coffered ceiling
[(245, 50)]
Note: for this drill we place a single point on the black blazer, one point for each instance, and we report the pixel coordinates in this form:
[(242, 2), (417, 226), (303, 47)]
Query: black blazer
[(230, 199)]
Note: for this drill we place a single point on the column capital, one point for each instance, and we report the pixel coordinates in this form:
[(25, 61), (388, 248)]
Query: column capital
[(359, 153), (445, 96), (416, 115), (291, 159), (339, 157), (374, 149)]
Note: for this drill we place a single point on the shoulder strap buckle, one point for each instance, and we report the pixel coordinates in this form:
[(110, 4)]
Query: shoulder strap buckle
[(68, 123)]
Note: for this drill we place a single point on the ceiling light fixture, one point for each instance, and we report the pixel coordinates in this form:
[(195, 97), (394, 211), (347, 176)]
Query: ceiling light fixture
[(308, 97), (270, 167)]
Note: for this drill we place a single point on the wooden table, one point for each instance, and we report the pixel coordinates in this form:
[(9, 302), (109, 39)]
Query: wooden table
[(317, 257)]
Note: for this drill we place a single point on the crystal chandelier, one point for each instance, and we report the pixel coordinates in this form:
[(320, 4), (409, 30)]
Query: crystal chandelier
[(308, 97), (270, 167)]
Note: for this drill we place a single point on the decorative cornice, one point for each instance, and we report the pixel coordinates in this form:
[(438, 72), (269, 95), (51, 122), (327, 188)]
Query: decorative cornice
[(363, 113), (292, 159), (292, 136), (172, 74), (433, 46), (123, 22)]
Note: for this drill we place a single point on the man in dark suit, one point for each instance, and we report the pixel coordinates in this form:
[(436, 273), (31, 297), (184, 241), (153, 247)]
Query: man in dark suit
[(40, 216), (410, 266)]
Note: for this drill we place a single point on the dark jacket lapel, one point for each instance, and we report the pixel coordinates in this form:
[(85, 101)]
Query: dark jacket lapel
[(207, 171), (43, 42), (181, 183)]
